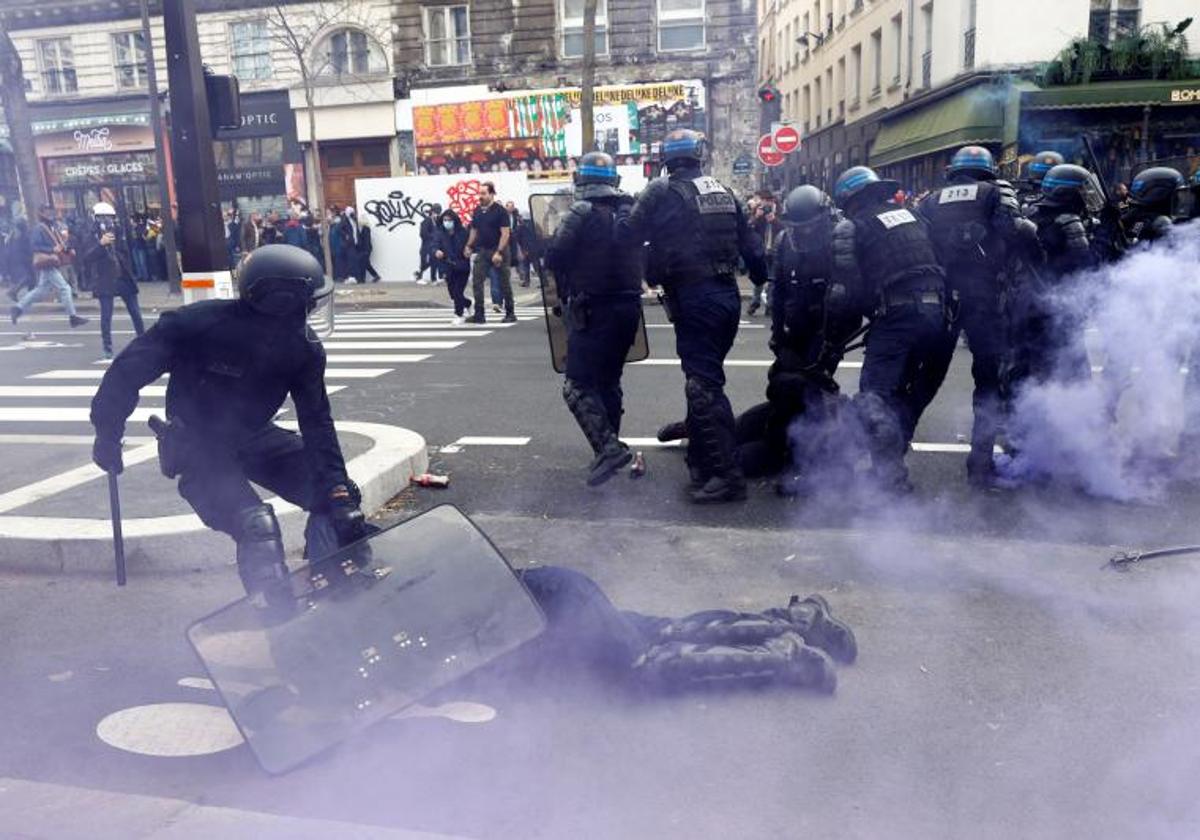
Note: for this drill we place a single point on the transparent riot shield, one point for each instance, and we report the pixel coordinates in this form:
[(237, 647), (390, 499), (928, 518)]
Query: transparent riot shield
[(546, 212), (365, 633)]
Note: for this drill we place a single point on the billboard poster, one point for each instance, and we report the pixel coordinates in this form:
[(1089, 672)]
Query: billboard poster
[(539, 131)]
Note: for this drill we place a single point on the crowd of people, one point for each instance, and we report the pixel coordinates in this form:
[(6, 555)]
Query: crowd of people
[(870, 266), (350, 244)]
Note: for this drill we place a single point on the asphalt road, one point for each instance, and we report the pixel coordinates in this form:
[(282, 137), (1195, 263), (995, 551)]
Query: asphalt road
[(1008, 685)]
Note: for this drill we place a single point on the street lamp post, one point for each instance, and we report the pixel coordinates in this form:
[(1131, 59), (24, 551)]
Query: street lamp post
[(160, 156)]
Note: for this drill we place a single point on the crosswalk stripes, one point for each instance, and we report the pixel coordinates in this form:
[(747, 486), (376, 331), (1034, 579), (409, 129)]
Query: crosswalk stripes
[(366, 345)]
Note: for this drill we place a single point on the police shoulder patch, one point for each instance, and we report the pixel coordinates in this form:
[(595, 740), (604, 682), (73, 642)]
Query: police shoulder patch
[(895, 218), (959, 192)]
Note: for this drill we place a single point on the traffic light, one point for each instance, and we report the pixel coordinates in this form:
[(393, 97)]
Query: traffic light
[(768, 95)]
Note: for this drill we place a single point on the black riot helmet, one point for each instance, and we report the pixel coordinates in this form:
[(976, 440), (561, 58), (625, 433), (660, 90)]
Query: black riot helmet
[(282, 281), (596, 176), (804, 203), (683, 147), (1156, 188), (1072, 188), (1042, 163), (861, 181)]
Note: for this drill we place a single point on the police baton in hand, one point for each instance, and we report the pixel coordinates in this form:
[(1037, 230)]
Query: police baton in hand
[(114, 501)]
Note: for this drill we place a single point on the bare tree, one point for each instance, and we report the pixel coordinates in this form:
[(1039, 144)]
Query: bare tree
[(303, 32), (587, 99), (16, 114)]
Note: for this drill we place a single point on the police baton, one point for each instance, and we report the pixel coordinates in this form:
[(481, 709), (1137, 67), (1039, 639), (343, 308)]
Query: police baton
[(114, 501)]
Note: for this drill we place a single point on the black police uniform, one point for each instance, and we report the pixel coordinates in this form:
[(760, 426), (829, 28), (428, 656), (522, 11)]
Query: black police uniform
[(810, 323), (696, 230), (1047, 336), (975, 225), (885, 251), (231, 369), (600, 288)]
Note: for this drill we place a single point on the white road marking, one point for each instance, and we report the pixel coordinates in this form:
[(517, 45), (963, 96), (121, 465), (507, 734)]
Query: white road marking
[(336, 344), (355, 373), (360, 358), (740, 326), (650, 442), (15, 391), (46, 414), (69, 440), (484, 440), (197, 682), (170, 730), (55, 484), (330, 373), (746, 363), (417, 334)]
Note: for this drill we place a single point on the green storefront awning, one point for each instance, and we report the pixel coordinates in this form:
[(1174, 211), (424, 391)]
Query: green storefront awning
[(1113, 95), (974, 115)]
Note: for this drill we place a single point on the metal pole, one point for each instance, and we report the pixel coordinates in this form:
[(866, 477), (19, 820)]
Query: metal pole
[(114, 502), (587, 83), (160, 156)]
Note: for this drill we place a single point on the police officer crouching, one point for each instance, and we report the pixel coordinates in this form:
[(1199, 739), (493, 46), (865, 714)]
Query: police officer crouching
[(885, 251), (600, 289), (232, 365), (696, 230), (976, 225)]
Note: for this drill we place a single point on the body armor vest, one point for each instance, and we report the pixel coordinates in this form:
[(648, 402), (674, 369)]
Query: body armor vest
[(708, 242), (598, 266), (893, 246)]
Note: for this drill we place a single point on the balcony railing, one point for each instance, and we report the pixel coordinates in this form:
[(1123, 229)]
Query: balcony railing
[(927, 70), (969, 49)]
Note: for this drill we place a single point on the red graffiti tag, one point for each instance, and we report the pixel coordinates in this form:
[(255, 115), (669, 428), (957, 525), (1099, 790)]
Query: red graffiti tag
[(464, 199)]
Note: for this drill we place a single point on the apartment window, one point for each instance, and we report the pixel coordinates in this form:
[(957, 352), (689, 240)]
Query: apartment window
[(448, 35), (897, 47), (876, 61), (803, 33), (855, 82), (927, 56), (806, 113), (681, 25), (349, 52), (570, 15), (817, 101), (841, 85), (56, 61), (250, 50), (969, 36), (129, 60), (829, 94), (1111, 20)]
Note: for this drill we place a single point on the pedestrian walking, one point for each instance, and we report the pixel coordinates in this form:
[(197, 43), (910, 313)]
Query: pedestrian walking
[(105, 260), (428, 233), (18, 259), (449, 247), (523, 246), (251, 234), (487, 246), (137, 248), (365, 247), (50, 252)]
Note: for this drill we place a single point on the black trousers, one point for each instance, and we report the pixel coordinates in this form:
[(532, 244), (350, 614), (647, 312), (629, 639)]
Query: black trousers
[(456, 285), (596, 351), (130, 299)]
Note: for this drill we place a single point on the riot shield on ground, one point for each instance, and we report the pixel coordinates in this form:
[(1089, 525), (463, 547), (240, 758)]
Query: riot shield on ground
[(546, 212), (366, 633)]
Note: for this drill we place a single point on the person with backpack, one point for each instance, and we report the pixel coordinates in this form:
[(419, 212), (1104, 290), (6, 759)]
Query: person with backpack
[(50, 252)]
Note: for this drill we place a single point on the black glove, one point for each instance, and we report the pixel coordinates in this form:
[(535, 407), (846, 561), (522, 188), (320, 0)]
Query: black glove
[(106, 454), (347, 517)]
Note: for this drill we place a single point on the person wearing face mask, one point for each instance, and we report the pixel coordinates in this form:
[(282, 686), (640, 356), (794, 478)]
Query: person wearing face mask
[(448, 242), (232, 364), (106, 261)]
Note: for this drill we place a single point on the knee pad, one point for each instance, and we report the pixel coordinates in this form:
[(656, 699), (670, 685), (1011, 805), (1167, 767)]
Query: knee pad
[(260, 555), (258, 524), (700, 395)]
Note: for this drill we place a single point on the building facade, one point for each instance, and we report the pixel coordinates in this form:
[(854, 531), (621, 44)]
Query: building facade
[(899, 84)]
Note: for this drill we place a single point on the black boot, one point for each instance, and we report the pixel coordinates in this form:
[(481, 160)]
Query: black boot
[(814, 620), (673, 431), (260, 556), (711, 421), (589, 413)]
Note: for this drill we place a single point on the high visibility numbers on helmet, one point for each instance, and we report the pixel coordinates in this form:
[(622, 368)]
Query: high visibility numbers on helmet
[(895, 218), (707, 185), (959, 192)]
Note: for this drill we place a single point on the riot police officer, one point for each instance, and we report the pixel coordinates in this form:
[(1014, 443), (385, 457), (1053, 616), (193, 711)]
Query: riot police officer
[(696, 229), (600, 290), (811, 321), (1154, 203), (1031, 187), (975, 223), (1047, 321), (232, 365), (884, 253)]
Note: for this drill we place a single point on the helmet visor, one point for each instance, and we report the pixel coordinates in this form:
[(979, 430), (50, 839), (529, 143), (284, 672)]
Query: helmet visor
[(320, 310)]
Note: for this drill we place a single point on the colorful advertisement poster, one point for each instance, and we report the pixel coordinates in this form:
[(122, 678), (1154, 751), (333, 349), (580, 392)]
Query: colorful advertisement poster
[(539, 131)]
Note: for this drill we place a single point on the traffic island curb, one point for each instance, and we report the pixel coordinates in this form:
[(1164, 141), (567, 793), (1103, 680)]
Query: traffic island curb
[(52, 544)]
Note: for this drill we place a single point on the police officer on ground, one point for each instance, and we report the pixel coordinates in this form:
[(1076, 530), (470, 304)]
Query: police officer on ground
[(696, 230), (1031, 187), (811, 321), (976, 225), (1156, 200), (884, 252), (232, 365), (600, 290)]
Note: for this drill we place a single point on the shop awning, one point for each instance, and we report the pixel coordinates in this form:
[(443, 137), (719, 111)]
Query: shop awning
[(1113, 95), (974, 115)]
